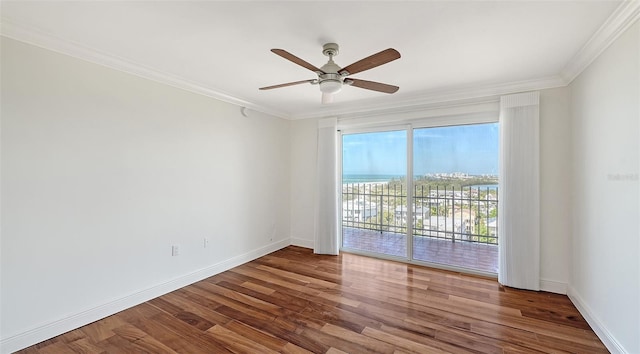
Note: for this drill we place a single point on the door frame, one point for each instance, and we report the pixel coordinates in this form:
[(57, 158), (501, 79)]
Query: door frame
[(408, 127)]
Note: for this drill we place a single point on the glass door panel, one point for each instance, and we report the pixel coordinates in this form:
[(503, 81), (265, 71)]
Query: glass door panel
[(455, 196), (374, 193)]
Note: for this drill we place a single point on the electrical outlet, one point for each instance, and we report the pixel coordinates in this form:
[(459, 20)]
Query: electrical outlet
[(175, 250), (205, 243)]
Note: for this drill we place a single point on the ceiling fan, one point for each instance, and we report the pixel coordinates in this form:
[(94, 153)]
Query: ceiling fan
[(331, 77)]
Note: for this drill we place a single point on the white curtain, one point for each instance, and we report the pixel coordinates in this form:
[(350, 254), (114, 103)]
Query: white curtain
[(519, 205), (326, 221)]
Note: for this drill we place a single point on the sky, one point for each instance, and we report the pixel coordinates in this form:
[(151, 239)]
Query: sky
[(472, 149)]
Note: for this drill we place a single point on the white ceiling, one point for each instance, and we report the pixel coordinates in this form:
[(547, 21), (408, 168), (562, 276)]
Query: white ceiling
[(223, 48)]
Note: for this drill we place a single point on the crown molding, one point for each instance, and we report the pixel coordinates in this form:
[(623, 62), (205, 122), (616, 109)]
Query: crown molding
[(621, 19), (434, 99), (47, 41), (625, 15)]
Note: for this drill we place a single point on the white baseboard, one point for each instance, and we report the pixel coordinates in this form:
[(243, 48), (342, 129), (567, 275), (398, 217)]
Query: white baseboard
[(50, 330), (553, 286), (601, 331), (302, 242)]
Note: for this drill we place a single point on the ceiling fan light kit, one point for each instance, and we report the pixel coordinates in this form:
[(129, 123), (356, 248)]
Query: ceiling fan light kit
[(332, 77), (330, 83)]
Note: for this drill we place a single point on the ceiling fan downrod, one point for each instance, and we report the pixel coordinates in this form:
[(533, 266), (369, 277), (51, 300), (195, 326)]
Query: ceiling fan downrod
[(330, 81)]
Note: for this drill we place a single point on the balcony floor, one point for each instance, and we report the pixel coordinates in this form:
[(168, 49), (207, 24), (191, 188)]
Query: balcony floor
[(476, 256)]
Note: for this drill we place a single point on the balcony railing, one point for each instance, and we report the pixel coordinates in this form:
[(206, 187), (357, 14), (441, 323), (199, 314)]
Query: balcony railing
[(468, 214)]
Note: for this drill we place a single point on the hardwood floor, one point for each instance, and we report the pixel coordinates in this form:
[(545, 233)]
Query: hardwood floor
[(292, 301)]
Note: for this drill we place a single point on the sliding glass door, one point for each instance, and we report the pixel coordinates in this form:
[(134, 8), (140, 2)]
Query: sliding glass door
[(423, 194), (455, 198), (374, 192)]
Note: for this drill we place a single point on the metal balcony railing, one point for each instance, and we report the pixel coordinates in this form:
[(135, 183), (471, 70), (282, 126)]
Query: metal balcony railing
[(468, 214)]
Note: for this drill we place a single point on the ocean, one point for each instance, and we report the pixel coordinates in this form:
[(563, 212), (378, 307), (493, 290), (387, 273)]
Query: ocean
[(369, 178)]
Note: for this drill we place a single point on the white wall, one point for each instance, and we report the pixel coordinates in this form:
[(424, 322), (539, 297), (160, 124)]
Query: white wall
[(605, 275), (102, 172)]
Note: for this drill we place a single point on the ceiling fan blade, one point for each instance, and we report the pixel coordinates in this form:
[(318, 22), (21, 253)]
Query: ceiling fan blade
[(371, 62), (283, 53), (287, 84), (372, 85)]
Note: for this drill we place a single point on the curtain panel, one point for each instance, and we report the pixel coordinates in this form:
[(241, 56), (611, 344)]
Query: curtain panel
[(326, 230), (519, 207)]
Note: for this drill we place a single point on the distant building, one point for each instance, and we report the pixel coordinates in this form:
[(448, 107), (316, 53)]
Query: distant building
[(418, 213), (359, 210), (462, 223), (492, 226)]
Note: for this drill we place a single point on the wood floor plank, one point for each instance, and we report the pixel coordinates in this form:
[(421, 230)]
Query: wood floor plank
[(311, 271), (189, 334), (341, 317), (280, 299), (102, 330), (286, 330), (488, 306), (141, 340), (239, 298), (427, 340), (291, 348), (293, 301), (54, 348), (297, 276), (186, 304), (117, 343), (236, 342), (370, 343), (72, 336), (269, 341), (335, 351), (346, 345), (403, 343), (84, 346), (255, 287), (202, 290)]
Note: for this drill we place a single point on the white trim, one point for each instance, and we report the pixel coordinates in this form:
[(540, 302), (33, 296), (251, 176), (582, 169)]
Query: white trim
[(416, 102), (409, 177), (427, 100), (55, 328), (340, 184), (553, 286), (374, 128), (520, 100), (47, 41), (328, 123), (302, 242), (449, 113), (596, 324), (620, 20)]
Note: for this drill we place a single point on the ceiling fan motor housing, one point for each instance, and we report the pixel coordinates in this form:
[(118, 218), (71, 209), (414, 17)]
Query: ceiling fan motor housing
[(330, 81)]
